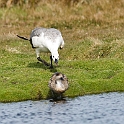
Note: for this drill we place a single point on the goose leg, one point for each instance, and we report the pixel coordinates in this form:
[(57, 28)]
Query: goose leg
[(54, 96), (51, 66), (43, 61), (39, 59)]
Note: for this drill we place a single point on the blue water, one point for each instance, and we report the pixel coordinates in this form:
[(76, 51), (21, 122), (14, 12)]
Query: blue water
[(107, 108)]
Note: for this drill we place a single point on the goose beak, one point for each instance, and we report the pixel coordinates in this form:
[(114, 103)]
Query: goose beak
[(56, 61)]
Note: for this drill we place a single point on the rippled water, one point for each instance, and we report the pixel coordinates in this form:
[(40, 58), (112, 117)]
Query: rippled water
[(107, 108)]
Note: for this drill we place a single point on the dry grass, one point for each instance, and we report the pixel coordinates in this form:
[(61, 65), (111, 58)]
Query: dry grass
[(101, 20)]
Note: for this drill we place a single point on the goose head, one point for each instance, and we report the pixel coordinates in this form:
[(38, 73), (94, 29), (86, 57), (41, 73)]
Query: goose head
[(55, 57)]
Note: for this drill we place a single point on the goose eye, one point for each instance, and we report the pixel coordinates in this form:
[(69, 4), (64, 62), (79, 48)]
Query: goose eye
[(61, 78), (53, 56)]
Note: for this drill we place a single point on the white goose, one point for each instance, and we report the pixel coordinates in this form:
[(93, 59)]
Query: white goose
[(46, 40)]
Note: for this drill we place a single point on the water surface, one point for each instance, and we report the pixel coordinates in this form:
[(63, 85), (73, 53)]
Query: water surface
[(107, 108)]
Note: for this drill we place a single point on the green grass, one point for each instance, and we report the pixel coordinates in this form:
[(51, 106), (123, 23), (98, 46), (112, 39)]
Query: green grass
[(92, 59), (22, 78)]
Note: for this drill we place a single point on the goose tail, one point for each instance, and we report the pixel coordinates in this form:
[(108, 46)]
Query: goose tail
[(24, 38)]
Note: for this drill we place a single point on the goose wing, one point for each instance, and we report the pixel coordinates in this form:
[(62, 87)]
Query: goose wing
[(37, 32), (50, 33)]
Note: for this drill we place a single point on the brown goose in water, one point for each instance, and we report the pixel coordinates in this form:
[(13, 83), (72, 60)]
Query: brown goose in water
[(58, 84)]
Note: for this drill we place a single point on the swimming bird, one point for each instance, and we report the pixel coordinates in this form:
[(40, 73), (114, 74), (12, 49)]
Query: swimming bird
[(47, 40), (58, 84)]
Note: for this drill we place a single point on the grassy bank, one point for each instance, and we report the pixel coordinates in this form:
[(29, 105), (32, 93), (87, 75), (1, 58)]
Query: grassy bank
[(92, 59)]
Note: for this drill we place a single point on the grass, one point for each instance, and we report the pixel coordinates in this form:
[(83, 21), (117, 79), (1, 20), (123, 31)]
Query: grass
[(92, 59)]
